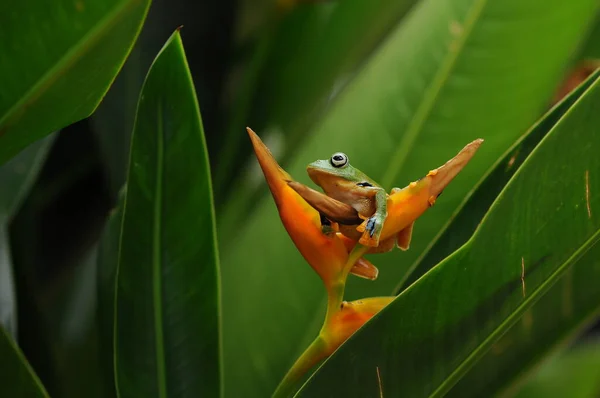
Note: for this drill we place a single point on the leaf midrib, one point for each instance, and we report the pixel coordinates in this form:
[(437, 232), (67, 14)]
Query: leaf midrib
[(76, 52), (156, 258), (527, 302), (427, 103)]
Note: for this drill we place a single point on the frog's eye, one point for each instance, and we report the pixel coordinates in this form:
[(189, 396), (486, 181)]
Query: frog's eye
[(339, 159)]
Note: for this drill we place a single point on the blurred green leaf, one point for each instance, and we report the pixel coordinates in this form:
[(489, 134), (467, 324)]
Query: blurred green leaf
[(591, 49), (464, 222), (542, 223), (167, 339), (310, 53), (574, 374), (17, 379), (451, 72), (58, 67), (16, 177), (108, 257), (8, 305)]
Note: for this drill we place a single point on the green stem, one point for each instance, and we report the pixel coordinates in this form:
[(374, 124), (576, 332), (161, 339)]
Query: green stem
[(316, 351)]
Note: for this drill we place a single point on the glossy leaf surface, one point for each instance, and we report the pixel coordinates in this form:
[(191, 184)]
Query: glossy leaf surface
[(58, 61), (542, 223), (167, 340), (543, 327), (570, 305)]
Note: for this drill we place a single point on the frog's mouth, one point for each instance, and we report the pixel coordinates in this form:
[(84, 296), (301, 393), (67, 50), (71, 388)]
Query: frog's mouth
[(318, 172)]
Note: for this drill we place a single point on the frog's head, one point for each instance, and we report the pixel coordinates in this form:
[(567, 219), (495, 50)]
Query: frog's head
[(331, 172)]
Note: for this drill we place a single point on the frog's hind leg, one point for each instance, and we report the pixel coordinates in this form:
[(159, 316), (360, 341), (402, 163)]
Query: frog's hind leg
[(364, 269), (404, 236)]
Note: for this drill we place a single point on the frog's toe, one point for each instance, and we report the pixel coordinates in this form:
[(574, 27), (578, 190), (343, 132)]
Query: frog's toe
[(371, 226), (368, 240)]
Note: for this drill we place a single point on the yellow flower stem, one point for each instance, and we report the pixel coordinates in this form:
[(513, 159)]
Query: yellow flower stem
[(318, 349)]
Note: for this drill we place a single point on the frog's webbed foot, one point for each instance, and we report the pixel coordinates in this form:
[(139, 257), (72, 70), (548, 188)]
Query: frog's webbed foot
[(371, 230)]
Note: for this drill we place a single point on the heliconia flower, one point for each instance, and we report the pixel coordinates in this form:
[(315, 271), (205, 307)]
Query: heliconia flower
[(332, 254), (325, 253), (404, 206), (349, 319), (336, 330)]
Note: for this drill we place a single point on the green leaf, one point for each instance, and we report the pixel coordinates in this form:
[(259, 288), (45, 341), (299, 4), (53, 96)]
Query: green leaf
[(451, 72), (516, 351), (16, 177), (557, 318), (464, 222), (108, 257), (542, 223), (574, 374), (8, 305), (167, 339), (59, 65), (17, 379)]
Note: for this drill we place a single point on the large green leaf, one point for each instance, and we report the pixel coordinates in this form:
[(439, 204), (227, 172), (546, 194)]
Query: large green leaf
[(574, 374), (464, 222), (557, 318), (542, 223), (167, 332), (451, 72), (516, 351), (17, 379), (58, 60)]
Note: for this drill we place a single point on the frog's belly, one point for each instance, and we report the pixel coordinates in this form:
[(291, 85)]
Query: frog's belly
[(365, 206)]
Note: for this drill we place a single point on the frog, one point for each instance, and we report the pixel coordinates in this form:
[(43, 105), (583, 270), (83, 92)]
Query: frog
[(345, 183), (353, 205)]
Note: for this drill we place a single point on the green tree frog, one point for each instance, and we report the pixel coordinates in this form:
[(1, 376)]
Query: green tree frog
[(345, 183)]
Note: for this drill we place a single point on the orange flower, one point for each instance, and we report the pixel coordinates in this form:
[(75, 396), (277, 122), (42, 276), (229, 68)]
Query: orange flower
[(333, 255), (325, 253)]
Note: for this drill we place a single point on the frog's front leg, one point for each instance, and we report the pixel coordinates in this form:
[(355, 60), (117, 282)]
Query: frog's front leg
[(374, 224)]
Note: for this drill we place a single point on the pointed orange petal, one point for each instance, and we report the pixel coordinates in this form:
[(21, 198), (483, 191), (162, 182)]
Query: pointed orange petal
[(325, 253), (409, 203)]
